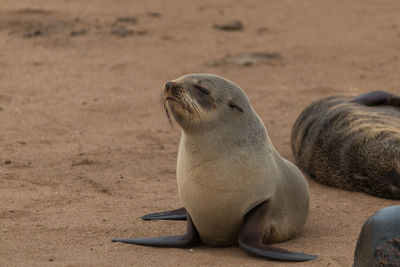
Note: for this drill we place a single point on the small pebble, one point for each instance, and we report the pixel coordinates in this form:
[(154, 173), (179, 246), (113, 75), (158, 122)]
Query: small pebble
[(234, 25), (153, 14), (80, 32), (121, 32), (35, 33), (128, 19)]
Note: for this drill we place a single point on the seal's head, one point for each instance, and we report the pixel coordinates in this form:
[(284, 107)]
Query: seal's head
[(204, 101)]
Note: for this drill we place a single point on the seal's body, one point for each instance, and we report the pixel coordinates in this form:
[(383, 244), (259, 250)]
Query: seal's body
[(379, 240), (235, 186), (351, 143), (228, 165), (220, 181)]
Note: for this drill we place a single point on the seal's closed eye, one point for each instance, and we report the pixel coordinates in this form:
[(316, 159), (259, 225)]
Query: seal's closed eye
[(202, 90), (233, 105)]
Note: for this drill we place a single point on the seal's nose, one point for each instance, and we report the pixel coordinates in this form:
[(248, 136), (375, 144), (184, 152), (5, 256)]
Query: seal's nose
[(168, 86)]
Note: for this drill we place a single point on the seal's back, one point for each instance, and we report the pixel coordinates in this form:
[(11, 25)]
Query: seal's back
[(351, 143)]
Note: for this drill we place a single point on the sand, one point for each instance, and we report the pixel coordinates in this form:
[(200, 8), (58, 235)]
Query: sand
[(86, 149)]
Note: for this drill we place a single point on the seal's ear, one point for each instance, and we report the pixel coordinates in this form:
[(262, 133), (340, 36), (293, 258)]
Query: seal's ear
[(233, 105)]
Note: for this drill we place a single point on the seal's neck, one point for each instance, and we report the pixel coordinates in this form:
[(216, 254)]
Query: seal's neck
[(250, 135)]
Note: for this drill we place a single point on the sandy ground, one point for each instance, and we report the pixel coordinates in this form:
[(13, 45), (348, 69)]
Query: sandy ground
[(86, 150)]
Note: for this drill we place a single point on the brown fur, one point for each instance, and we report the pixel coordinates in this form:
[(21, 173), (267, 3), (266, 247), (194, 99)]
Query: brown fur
[(351, 145)]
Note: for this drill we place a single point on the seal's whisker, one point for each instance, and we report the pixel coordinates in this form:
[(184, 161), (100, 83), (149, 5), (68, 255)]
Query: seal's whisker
[(165, 109), (186, 101), (169, 118), (193, 106), (197, 111), (183, 98)]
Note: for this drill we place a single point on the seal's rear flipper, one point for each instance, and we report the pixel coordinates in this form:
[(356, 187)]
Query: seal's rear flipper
[(272, 253), (253, 235), (178, 214), (188, 240), (376, 98)]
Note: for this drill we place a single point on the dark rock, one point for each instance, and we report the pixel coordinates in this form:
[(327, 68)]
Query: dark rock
[(234, 25)]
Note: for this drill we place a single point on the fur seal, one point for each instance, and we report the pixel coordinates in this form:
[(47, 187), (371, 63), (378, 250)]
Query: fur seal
[(351, 143), (379, 240), (235, 187)]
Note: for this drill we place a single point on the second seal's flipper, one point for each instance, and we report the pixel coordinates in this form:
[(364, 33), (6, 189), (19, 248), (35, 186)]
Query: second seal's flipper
[(376, 98), (178, 214), (253, 235), (187, 240)]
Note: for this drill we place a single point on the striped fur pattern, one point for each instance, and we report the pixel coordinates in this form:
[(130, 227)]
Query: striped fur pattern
[(351, 143)]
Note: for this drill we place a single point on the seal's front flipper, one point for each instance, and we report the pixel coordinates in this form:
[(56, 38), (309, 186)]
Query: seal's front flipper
[(188, 240), (376, 98), (178, 214), (253, 235)]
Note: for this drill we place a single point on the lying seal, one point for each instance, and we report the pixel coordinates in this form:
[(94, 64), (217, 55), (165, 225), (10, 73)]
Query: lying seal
[(379, 240), (234, 185), (351, 143)]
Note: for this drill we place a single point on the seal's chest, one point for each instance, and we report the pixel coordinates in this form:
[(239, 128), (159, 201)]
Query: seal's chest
[(218, 193), (217, 223), (216, 213)]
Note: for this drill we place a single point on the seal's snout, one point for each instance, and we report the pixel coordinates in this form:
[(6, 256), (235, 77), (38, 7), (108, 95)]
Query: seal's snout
[(168, 86)]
